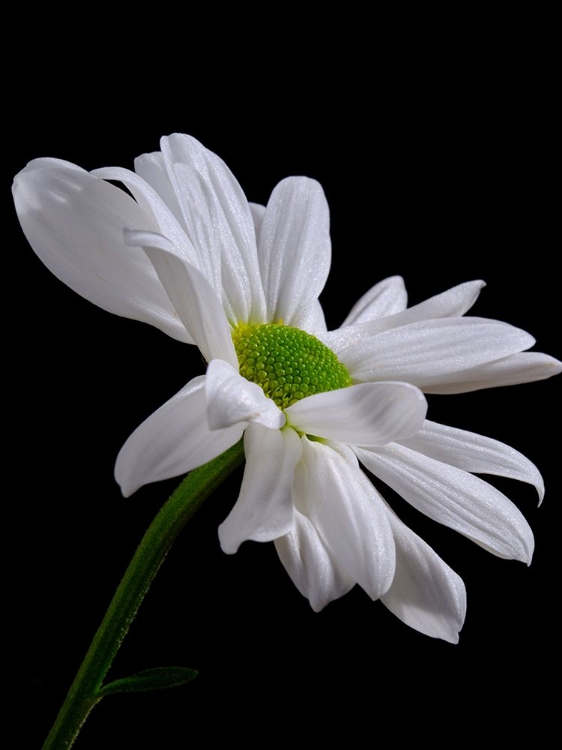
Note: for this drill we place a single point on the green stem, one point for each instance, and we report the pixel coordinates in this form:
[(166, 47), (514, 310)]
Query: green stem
[(187, 498)]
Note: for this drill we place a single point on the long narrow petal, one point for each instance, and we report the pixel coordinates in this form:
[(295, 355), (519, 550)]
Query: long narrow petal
[(199, 211), (233, 399), (309, 564), (173, 440), (453, 303), (387, 297), (525, 367), (74, 222), (474, 453), (368, 414), (231, 221), (264, 509), (195, 301), (294, 249), (425, 593), (428, 352), (454, 498), (349, 515)]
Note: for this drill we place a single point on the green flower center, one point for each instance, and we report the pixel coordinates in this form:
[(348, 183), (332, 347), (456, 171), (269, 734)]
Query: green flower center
[(287, 363)]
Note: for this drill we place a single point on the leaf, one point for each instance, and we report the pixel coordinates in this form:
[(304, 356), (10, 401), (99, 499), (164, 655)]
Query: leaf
[(157, 678)]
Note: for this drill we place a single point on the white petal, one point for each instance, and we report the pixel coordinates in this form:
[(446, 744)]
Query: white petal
[(294, 249), (517, 368), (368, 414), (313, 320), (385, 298), (428, 352), (453, 303), (474, 453), (195, 301), (48, 161), (258, 212), (454, 498), (264, 509), (172, 441), (426, 593), (199, 211), (231, 221), (310, 565), (349, 515), (153, 205), (233, 399), (152, 169), (75, 224)]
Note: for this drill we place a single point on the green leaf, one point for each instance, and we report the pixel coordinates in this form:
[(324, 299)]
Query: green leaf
[(157, 678)]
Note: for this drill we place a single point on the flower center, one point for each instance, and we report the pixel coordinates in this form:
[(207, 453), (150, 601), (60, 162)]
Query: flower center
[(287, 363)]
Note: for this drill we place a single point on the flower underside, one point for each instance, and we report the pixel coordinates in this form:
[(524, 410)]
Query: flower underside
[(288, 363)]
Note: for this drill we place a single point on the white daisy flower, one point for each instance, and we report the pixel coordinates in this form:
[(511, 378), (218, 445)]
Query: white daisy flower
[(188, 254)]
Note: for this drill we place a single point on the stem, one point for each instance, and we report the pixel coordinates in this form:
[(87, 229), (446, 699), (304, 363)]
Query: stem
[(187, 498)]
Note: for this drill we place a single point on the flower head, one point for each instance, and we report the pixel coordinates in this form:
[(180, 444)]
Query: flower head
[(189, 254)]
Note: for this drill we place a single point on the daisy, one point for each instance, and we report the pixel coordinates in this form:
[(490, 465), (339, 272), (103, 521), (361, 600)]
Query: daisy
[(188, 254)]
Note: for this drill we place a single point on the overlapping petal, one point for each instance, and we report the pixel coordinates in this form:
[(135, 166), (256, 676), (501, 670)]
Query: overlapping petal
[(232, 399), (174, 440), (474, 453), (153, 205), (425, 593), (348, 514), (428, 353), (311, 567), (368, 414), (75, 222), (453, 303), (264, 509), (216, 196), (454, 498), (193, 298)]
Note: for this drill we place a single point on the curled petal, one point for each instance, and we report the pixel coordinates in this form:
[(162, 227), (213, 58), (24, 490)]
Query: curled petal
[(474, 453), (367, 414), (74, 222), (232, 399), (264, 509), (151, 168), (454, 498), (309, 564), (191, 294), (348, 514), (172, 441), (426, 593), (152, 204)]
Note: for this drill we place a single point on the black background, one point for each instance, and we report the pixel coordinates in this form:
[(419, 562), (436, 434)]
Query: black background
[(438, 171)]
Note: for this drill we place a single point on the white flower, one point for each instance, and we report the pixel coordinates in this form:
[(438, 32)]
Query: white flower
[(189, 255)]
